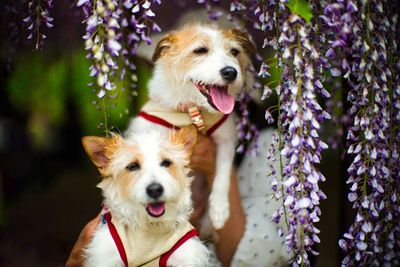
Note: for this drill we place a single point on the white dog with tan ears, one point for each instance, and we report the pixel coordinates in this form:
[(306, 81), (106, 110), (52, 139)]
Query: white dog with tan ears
[(198, 72), (147, 202)]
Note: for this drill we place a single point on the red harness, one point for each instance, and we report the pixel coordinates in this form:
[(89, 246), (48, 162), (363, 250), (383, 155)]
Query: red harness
[(165, 123), (121, 250)]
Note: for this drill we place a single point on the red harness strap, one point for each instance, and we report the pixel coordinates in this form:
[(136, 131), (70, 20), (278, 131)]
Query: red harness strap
[(157, 120), (165, 123), (117, 239), (121, 250), (164, 258), (216, 126)]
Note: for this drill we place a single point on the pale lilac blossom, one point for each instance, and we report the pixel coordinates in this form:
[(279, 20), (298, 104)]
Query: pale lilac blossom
[(39, 15), (113, 33)]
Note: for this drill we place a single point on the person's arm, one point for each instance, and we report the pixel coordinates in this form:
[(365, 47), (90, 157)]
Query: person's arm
[(203, 160), (76, 259), (233, 230)]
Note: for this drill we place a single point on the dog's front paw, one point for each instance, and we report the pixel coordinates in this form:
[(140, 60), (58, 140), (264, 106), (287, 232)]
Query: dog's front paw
[(218, 210)]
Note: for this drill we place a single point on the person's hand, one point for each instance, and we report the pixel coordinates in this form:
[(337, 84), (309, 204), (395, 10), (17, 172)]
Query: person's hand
[(202, 162), (76, 259), (203, 157)]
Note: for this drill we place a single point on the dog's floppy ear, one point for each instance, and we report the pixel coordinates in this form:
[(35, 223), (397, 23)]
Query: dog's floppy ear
[(100, 149), (244, 40), (162, 46), (187, 136)]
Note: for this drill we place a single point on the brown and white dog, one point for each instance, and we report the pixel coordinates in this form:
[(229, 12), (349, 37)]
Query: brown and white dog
[(147, 196), (198, 72)]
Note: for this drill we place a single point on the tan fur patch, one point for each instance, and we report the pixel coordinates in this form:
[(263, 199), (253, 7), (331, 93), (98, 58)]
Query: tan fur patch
[(177, 168), (125, 178), (185, 137), (247, 47), (101, 150), (111, 156), (180, 55), (242, 38), (163, 46)]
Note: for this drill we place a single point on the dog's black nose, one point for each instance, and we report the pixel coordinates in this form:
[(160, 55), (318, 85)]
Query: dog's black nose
[(154, 190), (228, 74)]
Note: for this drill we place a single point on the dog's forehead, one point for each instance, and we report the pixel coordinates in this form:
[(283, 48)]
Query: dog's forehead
[(209, 34), (150, 147)]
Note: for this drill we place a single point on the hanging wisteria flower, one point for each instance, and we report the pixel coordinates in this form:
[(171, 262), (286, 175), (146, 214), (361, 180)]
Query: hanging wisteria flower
[(102, 41), (209, 5), (39, 15), (137, 25), (297, 141), (373, 174), (113, 33), (300, 120), (338, 29), (247, 131)]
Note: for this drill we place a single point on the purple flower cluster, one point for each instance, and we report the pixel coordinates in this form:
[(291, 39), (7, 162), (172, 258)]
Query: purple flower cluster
[(113, 32), (300, 119), (359, 42), (366, 38), (338, 18), (336, 33), (101, 40), (38, 15), (209, 5), (247, 132), (297, 143)]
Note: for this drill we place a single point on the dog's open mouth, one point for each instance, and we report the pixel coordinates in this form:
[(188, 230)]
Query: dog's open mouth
[(217, 96), (156, 209)]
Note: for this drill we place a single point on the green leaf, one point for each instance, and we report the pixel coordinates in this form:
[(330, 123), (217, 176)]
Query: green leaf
[(301, 8)]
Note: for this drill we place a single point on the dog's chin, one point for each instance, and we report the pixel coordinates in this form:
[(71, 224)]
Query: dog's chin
[(217, 96), (155, 209)]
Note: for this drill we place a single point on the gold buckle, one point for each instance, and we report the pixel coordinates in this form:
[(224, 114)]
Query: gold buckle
[(196, 117)]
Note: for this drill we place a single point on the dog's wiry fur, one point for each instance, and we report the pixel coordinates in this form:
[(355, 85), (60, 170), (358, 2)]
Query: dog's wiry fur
[(124, 192), (179, 71)]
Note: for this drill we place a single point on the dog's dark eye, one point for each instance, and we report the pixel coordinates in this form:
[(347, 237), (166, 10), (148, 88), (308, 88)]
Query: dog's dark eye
[(133, 166), (165, 163), (234, 52), (200, 50)]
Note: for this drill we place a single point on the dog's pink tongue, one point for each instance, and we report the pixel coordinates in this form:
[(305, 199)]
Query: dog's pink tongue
[(221, 99), (156, 209)]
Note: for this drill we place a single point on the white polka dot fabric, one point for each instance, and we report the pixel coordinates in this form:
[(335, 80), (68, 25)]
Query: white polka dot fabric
[(260, 246)]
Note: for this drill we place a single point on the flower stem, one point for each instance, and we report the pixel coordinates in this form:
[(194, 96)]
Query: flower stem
[(105, 117)]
